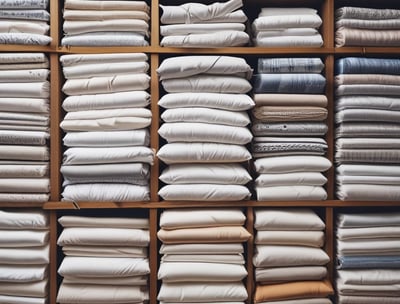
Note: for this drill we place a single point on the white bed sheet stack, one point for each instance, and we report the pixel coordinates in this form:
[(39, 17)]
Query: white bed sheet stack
[(107, 138), (106, 260), (368, 130), (199, 25), (287, 27), (368, 249), (205, 126), (105, 23), (289, 259), (24, 257), (202, 258), (24, 127), (24, 22), (288, 126)]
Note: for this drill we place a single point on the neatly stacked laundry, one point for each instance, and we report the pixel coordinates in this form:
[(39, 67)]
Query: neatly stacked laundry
[(205, 126), (24, 22), (289, 260), (288, 128), (24, 257), (107, 156), (105, 23), (368, 145), (202, 258), (105, 260), (199, 25), (24, 127), (368, 247), (360, 26), (287, 27)]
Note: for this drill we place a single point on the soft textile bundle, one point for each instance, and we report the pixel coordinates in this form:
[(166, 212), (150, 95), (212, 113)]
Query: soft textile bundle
[(289, 116), (105, 260), (289, 260), (24, 127), (205, 126), (202, 258), (200, 25), (105, 23), (287, 27), (368, 130), (24, 257), (360, 26), (24, 22), (107, 138), (368, 255)]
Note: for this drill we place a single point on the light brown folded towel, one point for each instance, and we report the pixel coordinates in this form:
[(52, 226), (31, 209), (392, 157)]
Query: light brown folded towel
[(312, 100), (275, 114), (361, 37)]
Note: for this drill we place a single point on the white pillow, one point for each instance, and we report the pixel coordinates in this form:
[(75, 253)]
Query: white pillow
[(184, 66), (203, 292), (226, 174), (200, 272), (291, 179), (23, 238), (106, 124), (204, 192), (290, 164), (104, 236), (287, 219), (292, 238), (103, 222), (209, 248), (206, 115), (25, 256), (81, 59), (203, 153), (211, 40), (231, 102), (27, 220), (278, 256), (22, 273), (287, 193), (204, 132), (186, 218), (207, 83)]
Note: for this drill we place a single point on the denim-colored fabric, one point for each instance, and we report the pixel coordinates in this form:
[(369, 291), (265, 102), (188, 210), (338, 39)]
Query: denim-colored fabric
[(357, 65), (365, 262), (290, 65)]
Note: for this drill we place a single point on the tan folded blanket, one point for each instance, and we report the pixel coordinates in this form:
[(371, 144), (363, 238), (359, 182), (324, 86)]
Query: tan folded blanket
[(367, 79), (228, 234), (107, 5), (86, 15), (275, 114), (312, 100), (361, 37), (369, 24), (289, 291)]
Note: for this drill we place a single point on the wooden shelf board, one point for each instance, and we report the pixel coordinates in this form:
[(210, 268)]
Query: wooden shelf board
[(102, 50), (21, 205), (25, 48)]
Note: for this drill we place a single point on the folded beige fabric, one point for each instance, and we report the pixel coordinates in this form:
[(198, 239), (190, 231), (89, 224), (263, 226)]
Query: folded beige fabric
[(295, 238), (31, 27), (24, 152), (287, 274), (131, 281), (227, 234), (344, 79), (25, 66), (87, 15), (23, 198), (24, 185), (31, 289), (105, 251), (368, 299), (112, 222), (386, 24), (9, 171), (276, 114), (361, 37), (30, 105), (311, 100), (114, 25), (107, 5)]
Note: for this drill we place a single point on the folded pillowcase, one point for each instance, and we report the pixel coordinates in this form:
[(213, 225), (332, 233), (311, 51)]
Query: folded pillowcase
[(292, 238), (291, 179), (186, 218), (211, 40), (139, 137), (290, 164), (287, 274), (82, 59), (287, 193)]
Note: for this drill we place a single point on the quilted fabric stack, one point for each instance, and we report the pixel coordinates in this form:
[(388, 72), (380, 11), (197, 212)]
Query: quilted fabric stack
[(289, 260), (24, 127), (368, 145), (360, 26), (289, 123), (106, 260), (24, 257), (205, 128), (107, 137), (199, 25), (202, 256), (368, 248), (24, 22), (105, 23), (287, 27)]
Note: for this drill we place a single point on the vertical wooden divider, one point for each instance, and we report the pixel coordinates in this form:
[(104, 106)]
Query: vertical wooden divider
[(330, 136), (53, 257), (54, 23), (153, 255), (55, 137), (328, 28), (329, 237), (155, 24), (250, 285)]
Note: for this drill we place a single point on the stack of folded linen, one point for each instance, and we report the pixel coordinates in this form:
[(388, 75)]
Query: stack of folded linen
[(202, 256), (368, 247), (359, 26), (200, 25), (24, 22), (289, 123), (368, 145), (24, 257), (24, 127), (287, 27), (205, 128), (106, 260), (107, 136), (289, 260), (105, 23)]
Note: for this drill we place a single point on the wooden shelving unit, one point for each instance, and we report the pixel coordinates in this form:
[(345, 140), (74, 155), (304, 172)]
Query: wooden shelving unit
[(156, 53)]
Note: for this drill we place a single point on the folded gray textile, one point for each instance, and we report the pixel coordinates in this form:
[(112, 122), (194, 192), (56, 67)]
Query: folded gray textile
[(41, 15), (289, 129), (364, 129), (366, 13), (358, 65), (368, 155), (368, 262), (290, 65)]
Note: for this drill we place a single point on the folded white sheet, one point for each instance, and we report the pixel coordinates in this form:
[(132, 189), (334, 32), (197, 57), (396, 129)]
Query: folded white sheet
[(105, 251), (287, 193), (211, 40), (30, 185), (15, 137), (36, 75), (368, 233), (291, 179), (22, 273), (139, 137), (23, 198), (30, 105), (237, 259), (25, 220), (25, 256), (369, 276), (103, 222), (127, 281), (290, 41), (26, 171), (23, 238), (26, 289), (348, 220), (199, 28), (290, 164), (22, 300), (373, 246), (24, 152), (288, 21), (293, 238), (75, 27), (232, 248), (106, 124), (82, 59)]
